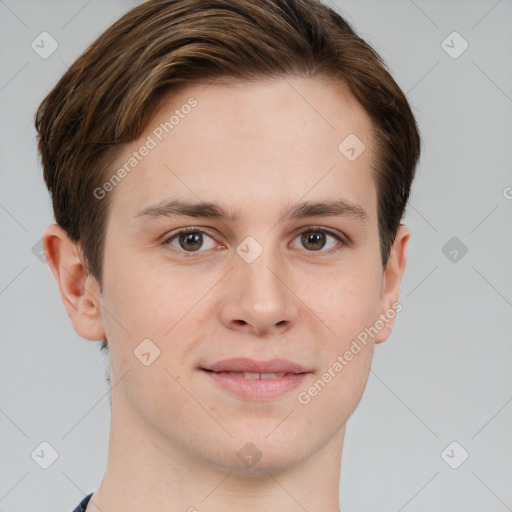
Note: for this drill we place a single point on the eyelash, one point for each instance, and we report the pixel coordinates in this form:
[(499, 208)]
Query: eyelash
[(167, 241)]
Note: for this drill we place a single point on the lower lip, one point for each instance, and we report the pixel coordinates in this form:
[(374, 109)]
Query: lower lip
[(257, 389)]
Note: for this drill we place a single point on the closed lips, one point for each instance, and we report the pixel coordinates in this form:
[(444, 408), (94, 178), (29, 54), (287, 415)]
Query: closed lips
[(250, 379), (253, 375), (252, 369)]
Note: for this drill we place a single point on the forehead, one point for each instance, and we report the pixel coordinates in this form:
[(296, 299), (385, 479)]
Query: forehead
[(251, 146)]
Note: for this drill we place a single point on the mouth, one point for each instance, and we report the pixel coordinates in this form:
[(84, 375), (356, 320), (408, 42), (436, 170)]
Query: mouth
[(255, 375), (255, 380), (245, 365)]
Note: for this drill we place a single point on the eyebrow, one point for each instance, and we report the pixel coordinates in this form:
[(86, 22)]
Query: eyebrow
[(179, 207)]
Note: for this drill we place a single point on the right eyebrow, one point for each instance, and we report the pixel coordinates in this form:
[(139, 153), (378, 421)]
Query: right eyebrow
[(174, 207)]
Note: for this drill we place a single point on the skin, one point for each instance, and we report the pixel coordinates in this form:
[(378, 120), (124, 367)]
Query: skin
[(258, 148)]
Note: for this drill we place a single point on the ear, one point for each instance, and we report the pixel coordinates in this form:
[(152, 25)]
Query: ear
[(79, 291), (391, 282)]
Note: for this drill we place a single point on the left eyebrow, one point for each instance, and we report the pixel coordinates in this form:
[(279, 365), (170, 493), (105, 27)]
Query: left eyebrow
[(178, 207), (333, 208)]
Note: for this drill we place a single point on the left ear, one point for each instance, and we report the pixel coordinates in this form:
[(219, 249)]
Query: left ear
[(391, 282)]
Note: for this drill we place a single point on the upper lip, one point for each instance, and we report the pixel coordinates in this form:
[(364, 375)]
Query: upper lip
[(243, 365)]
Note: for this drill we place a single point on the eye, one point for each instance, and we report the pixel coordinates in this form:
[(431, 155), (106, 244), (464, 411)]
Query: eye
[(314, 239), (189, 240)]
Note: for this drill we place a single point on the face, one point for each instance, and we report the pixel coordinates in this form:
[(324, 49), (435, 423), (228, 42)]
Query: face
[(266, 280)]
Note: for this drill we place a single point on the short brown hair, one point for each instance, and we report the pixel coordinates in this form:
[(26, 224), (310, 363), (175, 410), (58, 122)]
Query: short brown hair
[(111, 91)]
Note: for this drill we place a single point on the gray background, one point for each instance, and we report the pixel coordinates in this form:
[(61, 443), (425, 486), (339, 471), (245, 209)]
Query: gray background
[(445, 373)]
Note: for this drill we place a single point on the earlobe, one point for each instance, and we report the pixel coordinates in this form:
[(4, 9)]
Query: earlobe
[(391, 282), (79, 291)]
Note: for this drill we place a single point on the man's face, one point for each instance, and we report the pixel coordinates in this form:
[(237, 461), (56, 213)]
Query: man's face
[(266, 286)]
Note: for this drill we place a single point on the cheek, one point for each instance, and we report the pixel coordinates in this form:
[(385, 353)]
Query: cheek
[(346, 302), (353, 305), (337, 390), (146, 302), (347, 307)]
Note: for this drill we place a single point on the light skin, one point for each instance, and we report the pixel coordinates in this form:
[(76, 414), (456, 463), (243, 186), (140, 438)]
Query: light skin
[(257, 149)]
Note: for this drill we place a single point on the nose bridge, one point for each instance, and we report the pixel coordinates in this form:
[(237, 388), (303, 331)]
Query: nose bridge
[(259, 267), (258, 297)]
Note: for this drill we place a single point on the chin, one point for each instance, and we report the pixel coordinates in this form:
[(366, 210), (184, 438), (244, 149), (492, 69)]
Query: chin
[(266, 460), (267, 451)]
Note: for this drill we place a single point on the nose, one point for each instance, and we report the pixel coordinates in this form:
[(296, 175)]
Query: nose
[(258, 297)]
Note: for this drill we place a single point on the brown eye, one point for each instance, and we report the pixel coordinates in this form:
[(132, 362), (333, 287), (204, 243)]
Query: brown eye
[(189, 240), (315, 240)]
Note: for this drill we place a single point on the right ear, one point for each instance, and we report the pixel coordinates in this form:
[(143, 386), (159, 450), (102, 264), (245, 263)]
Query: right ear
[(79, 291)]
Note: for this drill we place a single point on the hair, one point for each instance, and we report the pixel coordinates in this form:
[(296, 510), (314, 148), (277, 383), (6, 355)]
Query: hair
[(109, 94)]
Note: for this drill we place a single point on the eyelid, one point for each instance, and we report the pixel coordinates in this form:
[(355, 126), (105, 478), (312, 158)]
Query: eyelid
[(169, 237), (333, 232)]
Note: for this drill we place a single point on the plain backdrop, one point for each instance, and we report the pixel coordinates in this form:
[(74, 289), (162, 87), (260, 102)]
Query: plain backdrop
[(433, 429)]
